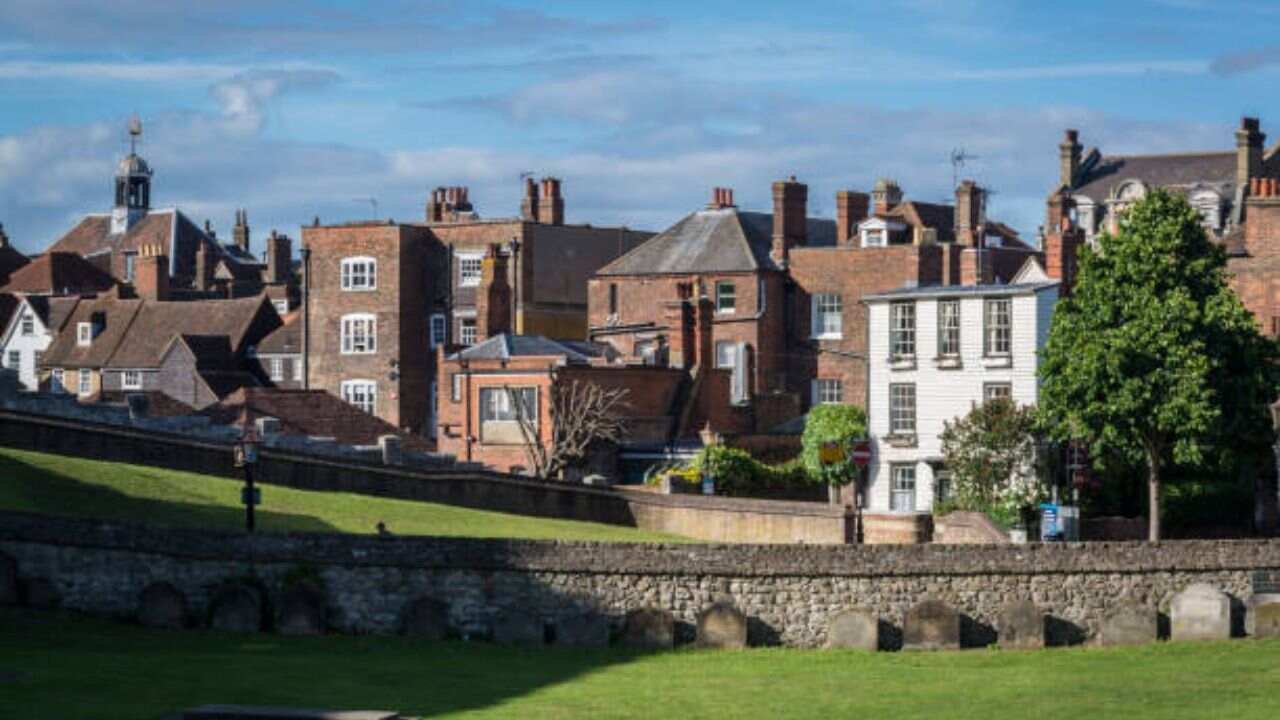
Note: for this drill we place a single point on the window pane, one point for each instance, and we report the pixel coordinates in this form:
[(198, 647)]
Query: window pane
[(997, 391), (467, 331), (998, 327), (903, 490), (902, 409), (725, 299), (726, 355), (949, 327), (902, 329)]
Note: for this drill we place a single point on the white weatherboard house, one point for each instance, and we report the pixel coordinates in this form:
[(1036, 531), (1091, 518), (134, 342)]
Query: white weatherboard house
[(30, 331), (933, 353)]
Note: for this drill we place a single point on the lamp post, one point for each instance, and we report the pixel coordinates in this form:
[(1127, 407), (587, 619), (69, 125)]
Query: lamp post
[(246, 456)]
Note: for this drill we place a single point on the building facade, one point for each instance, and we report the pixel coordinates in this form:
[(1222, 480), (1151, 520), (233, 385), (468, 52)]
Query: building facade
[(935, 352), (33, 324)]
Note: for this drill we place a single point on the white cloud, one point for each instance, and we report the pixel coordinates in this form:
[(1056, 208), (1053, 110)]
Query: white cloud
[(132, 72)]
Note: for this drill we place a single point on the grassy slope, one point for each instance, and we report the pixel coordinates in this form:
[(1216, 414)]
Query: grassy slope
[(72, 667), (60, 485)]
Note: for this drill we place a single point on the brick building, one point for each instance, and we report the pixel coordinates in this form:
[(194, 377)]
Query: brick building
[(1231, 189), (784, 289), (382, 297)]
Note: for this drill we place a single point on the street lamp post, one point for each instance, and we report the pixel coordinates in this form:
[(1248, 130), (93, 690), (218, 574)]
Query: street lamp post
[(246, 456)]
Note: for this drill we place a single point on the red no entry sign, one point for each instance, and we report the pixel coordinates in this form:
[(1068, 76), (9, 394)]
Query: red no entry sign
[(861, 454)]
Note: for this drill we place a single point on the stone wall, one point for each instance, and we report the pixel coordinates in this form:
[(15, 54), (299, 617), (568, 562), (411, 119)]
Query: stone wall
[(789, 593)]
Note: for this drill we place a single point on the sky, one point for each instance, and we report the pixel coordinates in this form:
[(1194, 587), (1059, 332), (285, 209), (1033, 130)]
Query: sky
[(354, 110)]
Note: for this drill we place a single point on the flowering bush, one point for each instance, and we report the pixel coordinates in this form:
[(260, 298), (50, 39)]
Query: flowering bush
[(990, 454)]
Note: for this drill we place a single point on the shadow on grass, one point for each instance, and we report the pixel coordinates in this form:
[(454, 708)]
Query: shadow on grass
[(31, 488)]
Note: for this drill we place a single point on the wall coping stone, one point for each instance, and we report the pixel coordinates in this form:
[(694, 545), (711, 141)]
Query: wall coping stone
[(726, 560)]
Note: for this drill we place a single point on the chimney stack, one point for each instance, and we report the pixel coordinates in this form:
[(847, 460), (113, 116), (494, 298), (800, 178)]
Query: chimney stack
[(721, 198), (1069, 158), (790, 218), (529, 205), (851, 209), (493, 296), (151, 275), (885, 195), (204, 268), (1062, 241), (551, 204), (1249, 145), (279, 258), (240, 233), (970, 200)]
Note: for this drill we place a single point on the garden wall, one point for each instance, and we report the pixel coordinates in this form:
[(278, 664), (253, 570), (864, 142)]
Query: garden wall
[(789, 593)]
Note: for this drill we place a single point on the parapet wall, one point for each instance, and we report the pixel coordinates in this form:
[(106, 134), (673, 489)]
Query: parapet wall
[(789, 593)]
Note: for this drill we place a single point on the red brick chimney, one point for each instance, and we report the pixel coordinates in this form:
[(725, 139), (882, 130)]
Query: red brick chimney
[(551, 204), (493, 296), (704, 350), (851, 209), (529, 204), (976, 267), (969, 213), (1262, 217), (677, 315), (1062, 241), (721, 198), (1249, 145), (1069, 158), (790, 218), (151, 273)]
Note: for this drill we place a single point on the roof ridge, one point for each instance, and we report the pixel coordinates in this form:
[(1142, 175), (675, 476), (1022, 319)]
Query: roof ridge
[(1193, 153)]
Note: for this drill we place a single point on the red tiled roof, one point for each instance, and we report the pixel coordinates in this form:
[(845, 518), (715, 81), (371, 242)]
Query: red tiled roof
[(59, 273), (311, 413)]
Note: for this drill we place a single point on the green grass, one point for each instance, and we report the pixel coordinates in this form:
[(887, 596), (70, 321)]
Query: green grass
[(56, 665), (61, 485)]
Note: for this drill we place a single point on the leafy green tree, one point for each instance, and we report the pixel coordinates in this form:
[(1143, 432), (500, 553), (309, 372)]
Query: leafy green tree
[(1153, 358), (990, 454), (840, 424)]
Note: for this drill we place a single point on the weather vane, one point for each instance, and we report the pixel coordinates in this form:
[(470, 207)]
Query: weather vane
[(135, 130)]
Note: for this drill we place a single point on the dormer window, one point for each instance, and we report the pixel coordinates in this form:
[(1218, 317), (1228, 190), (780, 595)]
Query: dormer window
[(1209, 204), (84, 334), (359, 273)]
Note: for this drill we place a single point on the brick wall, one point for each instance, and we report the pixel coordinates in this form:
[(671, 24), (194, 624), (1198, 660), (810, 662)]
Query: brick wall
[(1254, 276)]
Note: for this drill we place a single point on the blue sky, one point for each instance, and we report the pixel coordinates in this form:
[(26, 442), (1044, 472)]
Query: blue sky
[(295, 110)]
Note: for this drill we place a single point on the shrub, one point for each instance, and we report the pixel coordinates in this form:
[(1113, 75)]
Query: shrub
[(736, 472), (832, 423), (991, 456)]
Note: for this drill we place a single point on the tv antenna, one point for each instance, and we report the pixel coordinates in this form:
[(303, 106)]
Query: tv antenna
[(959, 156), (373, 202)]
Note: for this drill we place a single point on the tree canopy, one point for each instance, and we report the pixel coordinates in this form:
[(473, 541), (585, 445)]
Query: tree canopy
[(1153, 357), (835, 423)]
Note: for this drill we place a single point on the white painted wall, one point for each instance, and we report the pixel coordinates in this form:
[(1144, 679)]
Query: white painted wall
[(943, 394), (25, 345)]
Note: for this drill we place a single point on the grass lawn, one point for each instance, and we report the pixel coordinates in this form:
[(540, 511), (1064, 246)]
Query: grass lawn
[(55, 665), (61, 485)]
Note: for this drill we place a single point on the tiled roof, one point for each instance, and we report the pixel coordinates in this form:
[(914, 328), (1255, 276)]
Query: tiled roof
[(59, 273), (506, 346), (311, 413), (157, 323), (1175, 171), (286, 339), (713, 240), (53, 311), (111, 315), (10, 261)]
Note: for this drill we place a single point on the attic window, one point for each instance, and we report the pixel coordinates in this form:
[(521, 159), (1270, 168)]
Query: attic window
[(28, 325), (84, 334)]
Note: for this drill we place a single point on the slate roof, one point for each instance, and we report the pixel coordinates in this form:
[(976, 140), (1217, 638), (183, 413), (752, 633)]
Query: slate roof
[(286, 339), (506, 346), (59, 273), (310, 413), (711, 241), (1097, 179), (959, 291), (53, 311)]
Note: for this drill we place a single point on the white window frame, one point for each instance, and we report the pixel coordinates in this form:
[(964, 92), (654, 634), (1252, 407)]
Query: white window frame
[(130, 379), (726, 290), (902, 329), (828, 316), (359, 334), (84, 334), (297, 369), (902, 487), (902, 409), (437, 330), (56, 378), (467, 331), (281, 306), (996, 390), (361, 394), (13, 360), (828, 391), (949, 328), (27, 325), (84, 382), (470, 268), (276, 368), (997, 336), (359, 274)]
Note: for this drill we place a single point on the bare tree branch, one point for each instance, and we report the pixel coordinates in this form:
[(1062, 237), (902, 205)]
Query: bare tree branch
[(581, 413)]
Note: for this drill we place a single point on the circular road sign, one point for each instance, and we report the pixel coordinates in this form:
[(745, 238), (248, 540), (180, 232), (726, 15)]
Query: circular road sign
[(861, 454)]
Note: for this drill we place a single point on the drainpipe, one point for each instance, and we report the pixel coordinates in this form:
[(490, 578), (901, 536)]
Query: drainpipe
[(470, 438), (306, 317)]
